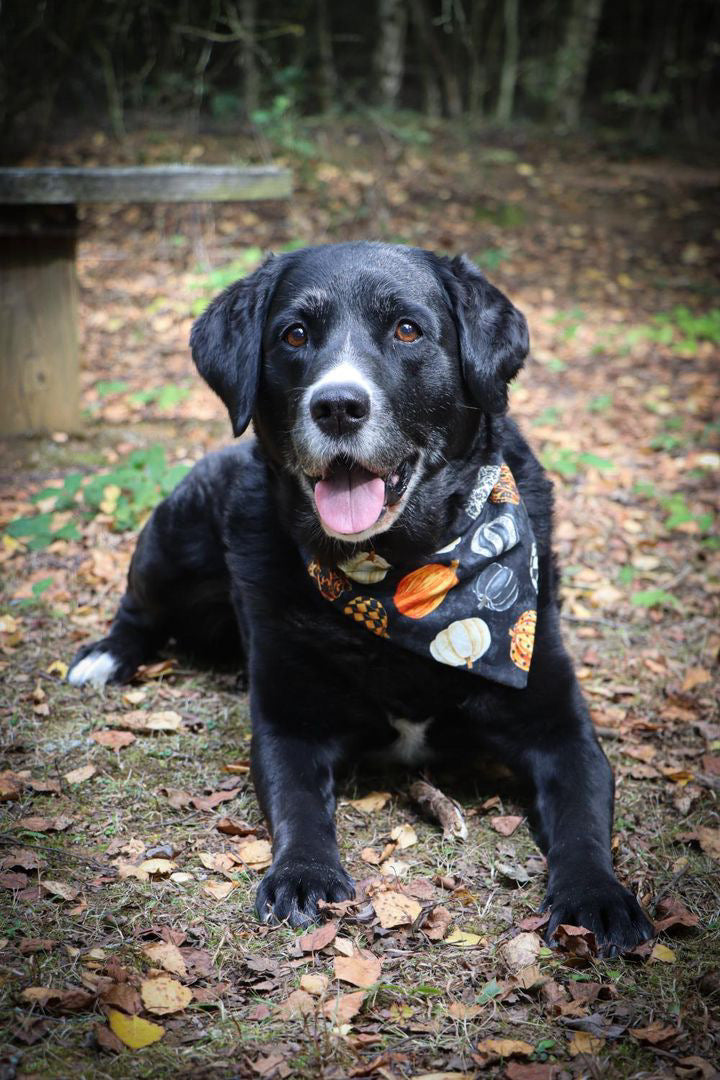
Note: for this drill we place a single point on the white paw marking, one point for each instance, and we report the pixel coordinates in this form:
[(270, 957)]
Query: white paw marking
[(95, 668)]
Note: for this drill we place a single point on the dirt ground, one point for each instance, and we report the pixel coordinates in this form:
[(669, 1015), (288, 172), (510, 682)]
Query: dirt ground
[(131, 840)]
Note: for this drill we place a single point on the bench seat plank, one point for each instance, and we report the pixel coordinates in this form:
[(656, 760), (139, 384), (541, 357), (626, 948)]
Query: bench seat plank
[(140, 184)]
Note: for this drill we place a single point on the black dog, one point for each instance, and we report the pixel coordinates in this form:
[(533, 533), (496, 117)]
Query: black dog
[(377, 379)]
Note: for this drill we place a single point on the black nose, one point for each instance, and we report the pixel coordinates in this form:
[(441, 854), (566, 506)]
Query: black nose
[(340, 408)]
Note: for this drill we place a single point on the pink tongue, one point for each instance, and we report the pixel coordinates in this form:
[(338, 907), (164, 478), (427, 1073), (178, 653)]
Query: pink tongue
[(351, 500)]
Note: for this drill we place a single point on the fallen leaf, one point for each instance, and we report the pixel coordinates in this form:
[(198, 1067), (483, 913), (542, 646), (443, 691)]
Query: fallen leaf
[(517, 1070), (33, 945), (209, 802), (235, 827), (123, 996), (219, 890), (157, 867), (257, 854), (581, 1042), (61, 1001), (11, 786), (663, 954), (177, 797), (267, 1064), (148, 723), (464, 939), (13, 881), (404, 836), (298, 1004), (133, 1031), (372, 802), (671, 913), (656, 1034), (436, 923), (113, 740), (342, 1008), (371, 855), (529, 977), (156, 670), (709, 840), (106, 1040), (505, 1047), (22, 859), (219, 861), (344, 946), (505, 825), (362, 968), (695, 676), (57, 667), (164, 995), (578, 941), (45, 824), (460, 1011), (79, 776), (166, 955), (60, 888), (521, 951), (393, 909), (317, 939), (314, 984)]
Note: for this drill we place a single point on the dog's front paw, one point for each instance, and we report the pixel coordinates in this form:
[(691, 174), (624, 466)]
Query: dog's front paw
[(100, 663), (600, 904), (290, 890)]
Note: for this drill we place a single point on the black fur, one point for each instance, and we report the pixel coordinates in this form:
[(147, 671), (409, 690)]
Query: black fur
[(218, 564)]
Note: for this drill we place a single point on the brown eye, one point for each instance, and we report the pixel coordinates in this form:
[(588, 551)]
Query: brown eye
[(407, 331), (296, 336)]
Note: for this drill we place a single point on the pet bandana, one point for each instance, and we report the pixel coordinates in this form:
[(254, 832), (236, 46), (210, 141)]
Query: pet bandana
[(474, 606)]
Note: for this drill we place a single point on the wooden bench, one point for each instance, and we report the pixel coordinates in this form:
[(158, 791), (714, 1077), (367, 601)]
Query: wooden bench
[(39, 365)]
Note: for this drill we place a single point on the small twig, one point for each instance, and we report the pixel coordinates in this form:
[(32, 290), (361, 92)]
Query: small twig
[(87, 860)]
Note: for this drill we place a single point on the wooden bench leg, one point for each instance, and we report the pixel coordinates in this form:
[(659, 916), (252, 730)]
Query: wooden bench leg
[(39, 376)]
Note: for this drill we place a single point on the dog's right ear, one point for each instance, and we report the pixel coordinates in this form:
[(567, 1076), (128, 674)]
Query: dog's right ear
[(226, 341)]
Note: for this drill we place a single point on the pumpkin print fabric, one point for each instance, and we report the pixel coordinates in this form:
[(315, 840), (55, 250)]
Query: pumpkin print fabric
[(472, 605)]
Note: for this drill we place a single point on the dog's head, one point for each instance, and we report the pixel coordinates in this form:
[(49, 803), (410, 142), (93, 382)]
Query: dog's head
[(366, 369)]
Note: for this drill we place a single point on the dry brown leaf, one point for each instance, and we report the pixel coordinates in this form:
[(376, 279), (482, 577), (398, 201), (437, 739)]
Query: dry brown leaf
[(505, 1047), (148, 722), (371, 855), (106, 1040), (656, 1034), (157, 868), (314, 984), (344, 946), (166, 955), (36, 823), (164, 995), (577, 940), (341, 1009), (80, 775), (235, 827), (529, 978), (362, 968), (695, 676), (404, 836), (209, 802), (319, 938), (121, 995), (298, 1004), (582, 1042), (113, 740), (38, 944), (372, 802), (460, 1011), (257, 854), (709, 840), (436, 923), (219, 890), (133, 1031), (521, 951), (393, 909), (61, 889), (219, 861), (671, 913), (177, 797), (505, 824), (22, 859), (62, 1001), (11, 786)]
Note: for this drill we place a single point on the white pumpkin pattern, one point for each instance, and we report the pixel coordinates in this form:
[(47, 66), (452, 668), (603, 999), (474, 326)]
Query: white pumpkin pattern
[(494, 537), (461, 643), (534, 566), (367, 568)]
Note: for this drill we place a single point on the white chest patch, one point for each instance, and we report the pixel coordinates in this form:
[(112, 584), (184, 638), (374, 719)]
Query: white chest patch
[(410, 747)]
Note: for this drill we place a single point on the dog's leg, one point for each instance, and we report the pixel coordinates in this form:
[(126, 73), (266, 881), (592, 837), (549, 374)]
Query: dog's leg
[(295, 782)]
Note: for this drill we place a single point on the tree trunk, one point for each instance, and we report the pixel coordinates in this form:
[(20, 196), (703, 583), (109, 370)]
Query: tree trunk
[(573, 60), (390, 51), (328, 75), (508, 75), (477, 75), (248, 57)]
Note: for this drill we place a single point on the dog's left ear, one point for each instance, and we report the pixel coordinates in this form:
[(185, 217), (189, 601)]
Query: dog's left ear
[(493, 334), (226, 340)]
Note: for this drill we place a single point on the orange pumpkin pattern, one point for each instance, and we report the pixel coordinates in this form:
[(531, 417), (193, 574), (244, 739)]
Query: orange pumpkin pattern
[(522, 639), (424, 589), (505, 490), (370, 612), (331, 583)]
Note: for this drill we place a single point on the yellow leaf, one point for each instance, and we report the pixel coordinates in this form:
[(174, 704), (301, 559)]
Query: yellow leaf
[(158, 867), (505, 1047), (583, 1042), (133, 1030), (79, 776), (58, 667), (164, 995), (662, 953), (394, 909), (464, 939), (371, 802), (256, 854)]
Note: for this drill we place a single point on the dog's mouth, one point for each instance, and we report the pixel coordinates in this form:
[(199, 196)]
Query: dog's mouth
[(351, 498)]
